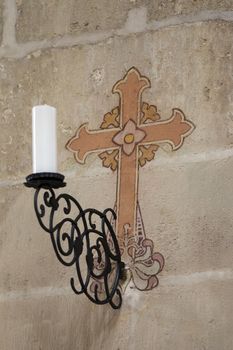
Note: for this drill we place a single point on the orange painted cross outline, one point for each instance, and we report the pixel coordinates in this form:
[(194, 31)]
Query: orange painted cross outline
[(127, 138)]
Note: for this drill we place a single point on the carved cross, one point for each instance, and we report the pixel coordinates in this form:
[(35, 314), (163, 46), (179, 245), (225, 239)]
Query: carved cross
[(129, 137)]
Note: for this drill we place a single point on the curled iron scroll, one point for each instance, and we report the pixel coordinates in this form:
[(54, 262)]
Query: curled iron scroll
[(86, 240)]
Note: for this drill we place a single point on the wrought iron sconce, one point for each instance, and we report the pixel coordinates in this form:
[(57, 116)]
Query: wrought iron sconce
[(84, 238)]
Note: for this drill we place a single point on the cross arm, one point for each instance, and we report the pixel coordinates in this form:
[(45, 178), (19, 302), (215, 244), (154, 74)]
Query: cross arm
[(85, 142), (172, 131)]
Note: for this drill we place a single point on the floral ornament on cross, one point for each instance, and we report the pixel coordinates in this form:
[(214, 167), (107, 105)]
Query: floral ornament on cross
[(129, 137)]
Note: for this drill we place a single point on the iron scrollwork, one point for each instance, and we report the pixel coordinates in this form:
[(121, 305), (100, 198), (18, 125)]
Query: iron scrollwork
[(81, 238)]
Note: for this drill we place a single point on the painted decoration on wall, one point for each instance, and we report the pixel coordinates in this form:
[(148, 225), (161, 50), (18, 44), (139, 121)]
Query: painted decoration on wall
[(126, 141)]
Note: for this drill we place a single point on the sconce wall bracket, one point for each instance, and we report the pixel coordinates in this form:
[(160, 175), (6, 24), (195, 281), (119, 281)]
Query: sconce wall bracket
[(83, 238)]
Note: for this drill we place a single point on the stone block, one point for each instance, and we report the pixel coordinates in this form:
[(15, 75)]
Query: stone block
[(39, 20), (1, 21), (188, 214), (183, 317), (26, 250), (158, 10)]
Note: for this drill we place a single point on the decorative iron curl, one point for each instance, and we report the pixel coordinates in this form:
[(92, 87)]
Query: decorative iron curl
[(85, 239)]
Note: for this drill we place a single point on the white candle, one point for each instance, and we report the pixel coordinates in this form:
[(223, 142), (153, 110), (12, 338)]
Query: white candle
[(44, 139)]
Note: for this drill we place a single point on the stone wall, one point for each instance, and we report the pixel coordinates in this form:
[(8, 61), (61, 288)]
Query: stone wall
[(68, 54)]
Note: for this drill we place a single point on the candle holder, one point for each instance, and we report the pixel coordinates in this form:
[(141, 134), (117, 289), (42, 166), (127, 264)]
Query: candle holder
[(83, 238)]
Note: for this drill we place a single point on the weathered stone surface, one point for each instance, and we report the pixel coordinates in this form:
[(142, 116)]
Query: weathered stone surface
[(39, 20), (191, 207), (79, 84), (42, 19), (158, 10), (1, 20), (183, 317), (185, 196), (25, 248)]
